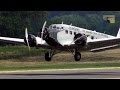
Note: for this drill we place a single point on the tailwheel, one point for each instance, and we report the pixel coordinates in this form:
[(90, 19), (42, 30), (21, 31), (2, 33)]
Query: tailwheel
[(77, 56), (47, 57)]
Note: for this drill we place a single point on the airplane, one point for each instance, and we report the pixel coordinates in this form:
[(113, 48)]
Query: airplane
[(66, 37)]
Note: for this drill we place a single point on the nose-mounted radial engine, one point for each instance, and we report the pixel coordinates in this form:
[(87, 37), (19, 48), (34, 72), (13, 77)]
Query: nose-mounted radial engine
[(45, 35)]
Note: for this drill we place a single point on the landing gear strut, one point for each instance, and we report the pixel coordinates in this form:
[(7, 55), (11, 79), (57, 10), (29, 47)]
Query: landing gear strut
[(48, 55), (77, 55)]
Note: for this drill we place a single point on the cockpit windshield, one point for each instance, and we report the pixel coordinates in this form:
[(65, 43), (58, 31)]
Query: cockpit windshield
[(58, 27), (54, 26)]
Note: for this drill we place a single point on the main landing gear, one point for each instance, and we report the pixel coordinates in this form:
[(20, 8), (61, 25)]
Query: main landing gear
[(77, 55), (50, 53)]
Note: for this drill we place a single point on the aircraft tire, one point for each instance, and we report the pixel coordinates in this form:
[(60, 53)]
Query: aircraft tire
[(47, 58), (77, 56)]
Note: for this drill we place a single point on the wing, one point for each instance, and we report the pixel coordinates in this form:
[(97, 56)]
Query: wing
[(39, 41), (12, 40), (96, 44), (103, 44)]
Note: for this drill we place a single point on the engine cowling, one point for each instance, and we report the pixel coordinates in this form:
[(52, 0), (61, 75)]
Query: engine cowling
[(45, 34), (31, 40), (80, 39)]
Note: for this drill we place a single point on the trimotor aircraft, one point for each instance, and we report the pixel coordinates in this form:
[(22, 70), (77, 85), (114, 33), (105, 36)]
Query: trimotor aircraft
[(65, 37)]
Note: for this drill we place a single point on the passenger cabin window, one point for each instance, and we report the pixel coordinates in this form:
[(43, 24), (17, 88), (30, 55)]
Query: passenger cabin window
[(88, 35), (74, 33), (58, 28), (92, 37), (71, 32), (66, 31)]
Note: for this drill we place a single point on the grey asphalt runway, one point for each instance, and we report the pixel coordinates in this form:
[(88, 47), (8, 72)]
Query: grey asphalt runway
[(65, 74)]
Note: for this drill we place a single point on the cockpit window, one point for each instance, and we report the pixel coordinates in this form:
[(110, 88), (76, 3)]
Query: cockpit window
[(54, 26), (61, 27), (50, 27)]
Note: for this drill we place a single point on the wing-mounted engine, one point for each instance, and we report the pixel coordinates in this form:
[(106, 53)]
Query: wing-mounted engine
[(80, 39), (31, 40)]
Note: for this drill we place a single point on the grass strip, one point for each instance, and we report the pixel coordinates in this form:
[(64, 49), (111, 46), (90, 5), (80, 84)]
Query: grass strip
[(59, 66)]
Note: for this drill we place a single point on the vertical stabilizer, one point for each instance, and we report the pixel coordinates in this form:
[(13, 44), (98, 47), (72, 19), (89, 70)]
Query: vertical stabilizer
[(118, 34)]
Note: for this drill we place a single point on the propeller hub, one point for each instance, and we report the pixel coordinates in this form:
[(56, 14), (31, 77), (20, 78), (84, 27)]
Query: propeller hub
[(31, 40)]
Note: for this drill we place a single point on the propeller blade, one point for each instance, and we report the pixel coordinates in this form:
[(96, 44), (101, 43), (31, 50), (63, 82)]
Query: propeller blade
[(43, 30), (26, 36)]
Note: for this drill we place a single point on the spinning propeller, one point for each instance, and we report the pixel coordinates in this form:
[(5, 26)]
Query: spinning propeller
[(30, 39), (43, 28), (26, 37)]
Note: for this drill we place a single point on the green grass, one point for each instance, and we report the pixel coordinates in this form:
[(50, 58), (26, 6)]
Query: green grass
[(59, 66), (20, 58), (18, 52)]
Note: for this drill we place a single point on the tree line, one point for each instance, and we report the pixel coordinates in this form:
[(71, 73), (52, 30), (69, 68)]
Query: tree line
[(13, 23)]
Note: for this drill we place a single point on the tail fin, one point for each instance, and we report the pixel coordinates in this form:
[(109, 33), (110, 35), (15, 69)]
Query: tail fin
[(118, 34)]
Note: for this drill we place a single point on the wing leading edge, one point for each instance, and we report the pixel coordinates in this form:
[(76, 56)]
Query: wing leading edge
[(12, 40)]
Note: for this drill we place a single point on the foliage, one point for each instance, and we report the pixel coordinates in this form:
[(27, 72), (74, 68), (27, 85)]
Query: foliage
[(92, 20), (13, 24), (10, 52)]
